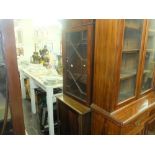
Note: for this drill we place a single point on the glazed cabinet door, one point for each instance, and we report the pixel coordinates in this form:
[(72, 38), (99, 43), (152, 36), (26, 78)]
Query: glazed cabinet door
[(147, 77), (131, 49), (11, 116), (77, 63)]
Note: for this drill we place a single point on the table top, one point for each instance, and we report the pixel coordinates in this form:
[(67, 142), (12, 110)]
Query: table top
[(46, 78)]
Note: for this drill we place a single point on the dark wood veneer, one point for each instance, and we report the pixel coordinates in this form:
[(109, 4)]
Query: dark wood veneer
[(74, 117)]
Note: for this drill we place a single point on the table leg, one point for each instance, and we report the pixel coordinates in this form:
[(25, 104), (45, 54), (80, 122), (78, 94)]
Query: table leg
[(49, 99), (22, 86), (32, 92)]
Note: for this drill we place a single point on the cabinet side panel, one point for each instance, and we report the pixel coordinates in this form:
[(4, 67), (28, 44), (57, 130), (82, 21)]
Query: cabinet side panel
[(68, 120), (85, 124), (106, 63), (112, 129), (97, 123)]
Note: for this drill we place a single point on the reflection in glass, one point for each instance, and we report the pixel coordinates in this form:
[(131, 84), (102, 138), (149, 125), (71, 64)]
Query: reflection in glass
[(130, 58), (76, 64), (149, 58)]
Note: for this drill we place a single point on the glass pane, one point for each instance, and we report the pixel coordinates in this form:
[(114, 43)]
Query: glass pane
[(149, 58), (76, 64), (130, 58)]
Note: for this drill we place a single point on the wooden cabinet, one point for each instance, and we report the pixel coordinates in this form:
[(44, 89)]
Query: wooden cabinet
[(77, 61), (74, 117), (123, 90), (113, 59), (150, 127), (118, 57), (150, 124), (11, 114), (132, 119), (74, 105)]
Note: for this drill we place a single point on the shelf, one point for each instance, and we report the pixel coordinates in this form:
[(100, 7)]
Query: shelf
[(149, 50), (130, 51), (151, 32), (146, 71), (132, 26), (127, 75)]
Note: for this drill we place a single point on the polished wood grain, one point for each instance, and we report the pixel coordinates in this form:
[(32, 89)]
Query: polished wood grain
[(135, 108), (130, 119), (108, 43), (68, 120), (142, 62), (15, 101), (74, 117), (109, 35), (73, 104), (150, 126)]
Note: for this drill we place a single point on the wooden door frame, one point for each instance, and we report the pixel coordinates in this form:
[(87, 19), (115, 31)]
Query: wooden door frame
[(90, 49), (15, 100), (140, 94), (125, 102)]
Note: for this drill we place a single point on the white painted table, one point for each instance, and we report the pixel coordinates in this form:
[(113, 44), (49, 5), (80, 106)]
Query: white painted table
[(35, 82)]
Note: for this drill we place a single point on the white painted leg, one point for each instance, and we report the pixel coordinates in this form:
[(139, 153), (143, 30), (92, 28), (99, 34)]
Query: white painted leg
[(49, 99), (22, 86), (32, 92)]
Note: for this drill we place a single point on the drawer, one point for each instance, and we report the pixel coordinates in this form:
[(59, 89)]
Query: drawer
[(136, 125)]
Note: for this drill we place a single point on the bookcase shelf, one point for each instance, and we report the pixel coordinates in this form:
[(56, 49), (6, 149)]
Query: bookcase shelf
[(149, 50), (151, 32), (130, 51), (127, 75), (132, 26)]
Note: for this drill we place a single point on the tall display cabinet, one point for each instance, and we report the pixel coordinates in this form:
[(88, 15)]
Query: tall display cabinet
[(123, 93), (109, 68), (74, 104), (11, 114)]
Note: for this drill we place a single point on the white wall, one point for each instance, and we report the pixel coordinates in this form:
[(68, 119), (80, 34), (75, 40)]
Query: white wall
[(49, 33), (27, 38)]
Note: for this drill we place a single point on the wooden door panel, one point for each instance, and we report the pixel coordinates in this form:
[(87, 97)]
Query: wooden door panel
[(14, 91)]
